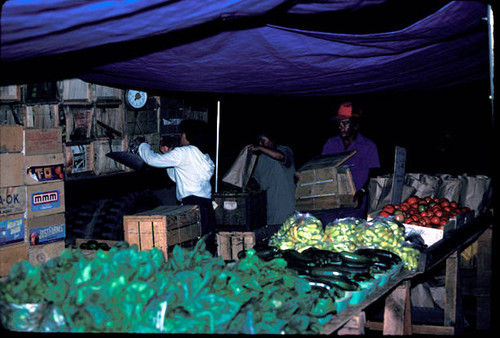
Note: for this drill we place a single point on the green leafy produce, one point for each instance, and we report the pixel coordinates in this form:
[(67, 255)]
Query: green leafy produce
[(126, 290)]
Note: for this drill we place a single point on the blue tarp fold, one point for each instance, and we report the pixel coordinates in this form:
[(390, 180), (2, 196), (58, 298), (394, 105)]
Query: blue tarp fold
[(226, 46)]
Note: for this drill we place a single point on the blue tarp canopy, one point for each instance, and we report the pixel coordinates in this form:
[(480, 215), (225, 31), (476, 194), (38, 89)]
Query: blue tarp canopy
[(272, 47)]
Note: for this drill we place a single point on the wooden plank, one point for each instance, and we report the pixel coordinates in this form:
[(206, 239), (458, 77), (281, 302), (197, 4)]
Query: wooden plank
[(334, 160), (355, 326), (131, 230), (340, 319), (102, 163), (10, 93), (146, 230), (75, 91), (41, 116), (484, 280), (416, 328), (229, 244), (397, 311), (453, 316)]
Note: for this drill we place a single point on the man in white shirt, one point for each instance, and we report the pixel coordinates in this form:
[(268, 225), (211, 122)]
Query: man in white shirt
[(191, 170)]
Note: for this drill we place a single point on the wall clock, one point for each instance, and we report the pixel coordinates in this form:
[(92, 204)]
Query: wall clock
[(136, 98)]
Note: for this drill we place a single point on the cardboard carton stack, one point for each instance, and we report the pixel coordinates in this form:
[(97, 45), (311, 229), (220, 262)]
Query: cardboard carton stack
[(32, 221)]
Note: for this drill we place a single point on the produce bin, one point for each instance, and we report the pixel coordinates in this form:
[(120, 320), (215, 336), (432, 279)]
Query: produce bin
[(230, 243), (163, 227), (325, 184), (240, 211)]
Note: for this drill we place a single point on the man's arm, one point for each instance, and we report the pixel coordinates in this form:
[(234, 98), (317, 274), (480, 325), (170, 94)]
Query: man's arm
[(273, 153)]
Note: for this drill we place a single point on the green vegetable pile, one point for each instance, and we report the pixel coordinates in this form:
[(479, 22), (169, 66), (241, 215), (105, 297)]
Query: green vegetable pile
[(126, 290), (302, 231)]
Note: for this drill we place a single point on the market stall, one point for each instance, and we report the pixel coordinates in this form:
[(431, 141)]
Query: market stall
[(315, 274)]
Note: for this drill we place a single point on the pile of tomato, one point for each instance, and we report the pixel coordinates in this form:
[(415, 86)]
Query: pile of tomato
[(424, 211)]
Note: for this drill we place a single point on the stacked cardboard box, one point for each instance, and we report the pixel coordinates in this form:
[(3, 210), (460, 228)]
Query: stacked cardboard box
[(13, 244), (32, 222)]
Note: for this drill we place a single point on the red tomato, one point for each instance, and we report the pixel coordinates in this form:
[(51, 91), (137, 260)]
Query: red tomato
[(444, 203), (438, 213), (411, 200), (427, 199), (384, 214), (454, 204), (388, 208), (414, 205), (435, 220)]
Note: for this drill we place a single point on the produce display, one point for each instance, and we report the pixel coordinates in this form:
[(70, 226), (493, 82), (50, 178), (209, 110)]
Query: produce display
[(126, 290), (427, 211), (349, 277), (302, 231)]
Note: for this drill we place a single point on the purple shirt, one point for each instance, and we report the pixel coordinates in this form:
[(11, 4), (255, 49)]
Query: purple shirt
[(360, 164)]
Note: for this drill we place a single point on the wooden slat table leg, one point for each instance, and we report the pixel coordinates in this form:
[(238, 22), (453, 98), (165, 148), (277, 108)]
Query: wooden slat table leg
[(355, 326), (453, 316), (397, 312), (484, 280)]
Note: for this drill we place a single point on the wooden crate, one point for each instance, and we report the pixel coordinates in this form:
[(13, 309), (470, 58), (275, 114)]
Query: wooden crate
[(45, 199), (46, 229), (78, 123), (11, 254), (12, 229), (230, 243), (11, 139), (74, 91), (10, 93), (104, 164), (163, 227), (41, 115), (42, 141), (43, 168), (79, 158), (13, 200), (325, 184), (11, 170), (40, 254), (240, 211), (105, 95)]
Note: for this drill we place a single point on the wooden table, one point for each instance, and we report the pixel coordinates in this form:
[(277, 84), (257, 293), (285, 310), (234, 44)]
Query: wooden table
[(396, 293)]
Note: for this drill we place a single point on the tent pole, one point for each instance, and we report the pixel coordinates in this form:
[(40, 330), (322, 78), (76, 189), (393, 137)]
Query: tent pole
[(491, 46), (217, 149)]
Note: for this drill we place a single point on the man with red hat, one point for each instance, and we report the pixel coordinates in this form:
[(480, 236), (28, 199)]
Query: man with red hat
[(366, 158)]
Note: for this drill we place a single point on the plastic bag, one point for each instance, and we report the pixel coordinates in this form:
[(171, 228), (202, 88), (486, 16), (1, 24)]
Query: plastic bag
[(22, 317)]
